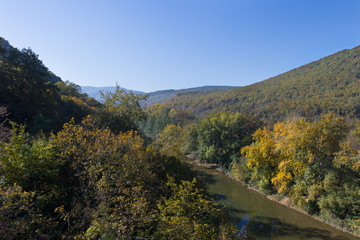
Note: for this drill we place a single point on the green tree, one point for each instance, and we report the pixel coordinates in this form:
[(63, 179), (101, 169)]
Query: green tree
[(4, 130), (221, 136), (26, 89), (121, 111), (31, 165), (159, 116)]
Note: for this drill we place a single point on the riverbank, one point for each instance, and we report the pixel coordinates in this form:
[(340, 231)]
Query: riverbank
[(285, 201)]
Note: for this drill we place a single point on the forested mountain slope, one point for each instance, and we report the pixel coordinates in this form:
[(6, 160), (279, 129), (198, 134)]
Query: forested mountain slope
[(35, 96), (329, 84), (162, 95), (94, 92)]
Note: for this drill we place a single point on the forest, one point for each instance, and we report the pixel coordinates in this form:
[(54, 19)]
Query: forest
[(329, 84), (75, 168)]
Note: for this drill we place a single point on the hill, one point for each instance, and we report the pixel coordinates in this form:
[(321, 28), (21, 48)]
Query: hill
[(161, 96), (36, 97), (157, 96), (94, 92), (329, 84)]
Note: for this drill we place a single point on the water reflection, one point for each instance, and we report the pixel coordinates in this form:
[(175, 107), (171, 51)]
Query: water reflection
[(263, 218), (260, 227)]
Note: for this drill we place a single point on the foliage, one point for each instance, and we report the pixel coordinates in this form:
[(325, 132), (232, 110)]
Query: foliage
[(160, 96), (190, 214), (30, 164), (25, 87), (310, 162), (4, 130), (36, 97), (221, 136), (116, 182), (170, 141), (74, 104), (191, 136), (19, 217), (121, 111), (159, 116)]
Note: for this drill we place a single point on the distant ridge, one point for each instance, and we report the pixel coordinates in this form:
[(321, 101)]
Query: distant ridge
[(329, 84), (95, 91), (162, 95), (157, 96)]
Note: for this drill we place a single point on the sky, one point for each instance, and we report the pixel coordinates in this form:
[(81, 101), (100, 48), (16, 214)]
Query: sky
[(150, 45)]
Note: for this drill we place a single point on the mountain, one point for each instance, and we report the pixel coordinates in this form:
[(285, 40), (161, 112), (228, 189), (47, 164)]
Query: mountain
[(329, 84), (36, 97), (95, 91), (5, 51), (154, 97), (161, 96)]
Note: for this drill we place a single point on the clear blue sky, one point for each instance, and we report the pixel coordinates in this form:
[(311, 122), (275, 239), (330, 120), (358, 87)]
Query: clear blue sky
[(151, 45)]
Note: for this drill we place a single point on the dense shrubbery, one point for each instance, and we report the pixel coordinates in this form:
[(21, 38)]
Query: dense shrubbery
[(159, 116), (221, 137), (87, 182)]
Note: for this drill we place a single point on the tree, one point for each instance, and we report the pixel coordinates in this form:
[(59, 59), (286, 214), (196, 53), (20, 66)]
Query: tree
[(121, 111), (4, 130), (26, 90), (190, 214), (222, 135), (170, 141)]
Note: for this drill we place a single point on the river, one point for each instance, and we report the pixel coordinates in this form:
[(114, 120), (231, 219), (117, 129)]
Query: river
[(263, 218)]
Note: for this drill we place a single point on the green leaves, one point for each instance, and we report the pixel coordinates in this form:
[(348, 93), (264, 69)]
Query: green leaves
[(27, 163), (221, 136), (121, 111), (170, 141), (190, 214)]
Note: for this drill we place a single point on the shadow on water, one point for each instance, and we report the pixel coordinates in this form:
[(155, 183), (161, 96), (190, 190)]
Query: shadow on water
[(263, 218), (273, 228), (206, 178), (218, 197)]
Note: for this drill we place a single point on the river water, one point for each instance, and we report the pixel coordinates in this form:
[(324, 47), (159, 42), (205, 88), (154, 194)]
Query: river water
[(263, 218)]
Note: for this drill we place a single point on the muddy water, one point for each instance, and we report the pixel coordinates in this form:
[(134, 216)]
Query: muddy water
[(263, 218)]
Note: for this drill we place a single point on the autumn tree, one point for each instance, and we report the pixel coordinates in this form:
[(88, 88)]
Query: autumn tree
[(312, 163), (189, 213), (170, 141)]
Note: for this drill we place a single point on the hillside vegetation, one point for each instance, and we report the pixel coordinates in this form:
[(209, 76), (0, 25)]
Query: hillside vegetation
[(36, 97), (91, 175), (329, 84), (158, 97)]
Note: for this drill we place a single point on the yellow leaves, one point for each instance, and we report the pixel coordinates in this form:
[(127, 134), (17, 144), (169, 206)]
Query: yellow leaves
[(298, 168), (170, 140), (348, 157), (355, 226), (315, 191), (284, 153), (282, 181), (190, 214)]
